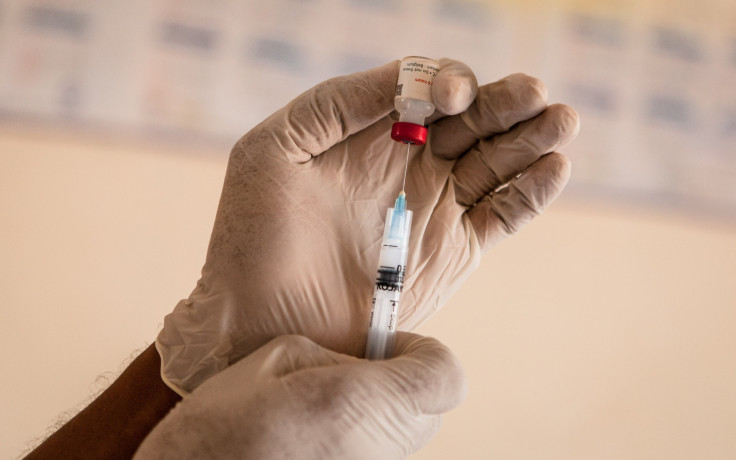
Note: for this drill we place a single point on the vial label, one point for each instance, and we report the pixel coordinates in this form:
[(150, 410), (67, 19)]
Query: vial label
[(416, 76)]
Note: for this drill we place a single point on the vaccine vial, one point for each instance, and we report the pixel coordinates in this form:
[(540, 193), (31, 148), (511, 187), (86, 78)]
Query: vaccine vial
[(413, 99)]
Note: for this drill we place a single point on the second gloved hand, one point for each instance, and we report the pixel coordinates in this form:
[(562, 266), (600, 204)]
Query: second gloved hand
[(301, 214), (294, 399)]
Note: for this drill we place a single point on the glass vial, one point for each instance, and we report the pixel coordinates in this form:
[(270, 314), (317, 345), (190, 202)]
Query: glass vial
[(413, 99)]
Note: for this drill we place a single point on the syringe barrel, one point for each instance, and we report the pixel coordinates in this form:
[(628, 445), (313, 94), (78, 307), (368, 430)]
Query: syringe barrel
[(389, 284)]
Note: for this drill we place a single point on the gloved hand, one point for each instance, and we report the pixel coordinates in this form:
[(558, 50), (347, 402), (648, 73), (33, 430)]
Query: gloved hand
[(294, 399), (301, 214)]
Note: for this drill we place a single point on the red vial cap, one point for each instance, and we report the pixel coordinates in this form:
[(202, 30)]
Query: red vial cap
[(409, 133)]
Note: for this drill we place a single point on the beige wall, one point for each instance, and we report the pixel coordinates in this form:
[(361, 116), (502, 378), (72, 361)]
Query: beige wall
[(599, 332)]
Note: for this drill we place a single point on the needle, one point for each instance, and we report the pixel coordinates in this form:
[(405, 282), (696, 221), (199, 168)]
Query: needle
[(406, 167)]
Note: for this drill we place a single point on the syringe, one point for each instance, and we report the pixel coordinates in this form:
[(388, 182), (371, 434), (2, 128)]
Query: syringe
[(390, 279), (413, 101)]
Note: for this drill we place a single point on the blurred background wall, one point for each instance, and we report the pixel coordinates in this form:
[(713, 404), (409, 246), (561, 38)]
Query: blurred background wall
[(604, 330)]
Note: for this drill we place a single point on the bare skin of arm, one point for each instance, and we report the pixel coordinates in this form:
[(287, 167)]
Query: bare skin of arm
[(116, 423)]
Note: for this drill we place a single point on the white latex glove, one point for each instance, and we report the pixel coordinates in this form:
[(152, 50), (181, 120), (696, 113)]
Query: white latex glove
[(301, 215), (294, 399)]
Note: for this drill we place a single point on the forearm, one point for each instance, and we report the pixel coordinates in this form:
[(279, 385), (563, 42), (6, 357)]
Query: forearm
[(115, 424)]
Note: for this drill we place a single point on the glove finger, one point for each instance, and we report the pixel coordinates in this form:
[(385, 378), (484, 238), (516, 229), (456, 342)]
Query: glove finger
[(505, 212), (285, 355), (424, 429), (331, 111), (454, 88), (495, 161), (497, 107), (426, 373)]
